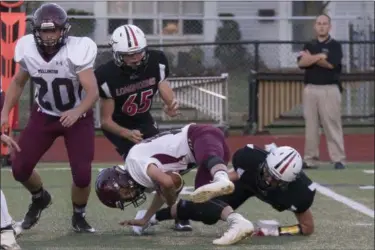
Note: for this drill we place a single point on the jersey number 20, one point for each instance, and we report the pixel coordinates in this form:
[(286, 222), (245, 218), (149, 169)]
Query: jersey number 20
[(56, 84), (130, 107)]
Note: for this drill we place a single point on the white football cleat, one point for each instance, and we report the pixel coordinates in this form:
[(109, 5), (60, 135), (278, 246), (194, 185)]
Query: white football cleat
[(239, 229), (146, 228), (8, 241), (221, 185)]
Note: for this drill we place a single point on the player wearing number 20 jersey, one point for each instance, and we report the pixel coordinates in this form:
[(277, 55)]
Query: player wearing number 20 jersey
[(61, 69)]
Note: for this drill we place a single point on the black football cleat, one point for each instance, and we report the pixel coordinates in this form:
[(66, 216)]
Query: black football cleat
[(80, 225), (35, 210), (182, 226)]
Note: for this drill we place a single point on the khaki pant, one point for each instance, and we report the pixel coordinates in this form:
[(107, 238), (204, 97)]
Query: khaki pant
[(322, 104)]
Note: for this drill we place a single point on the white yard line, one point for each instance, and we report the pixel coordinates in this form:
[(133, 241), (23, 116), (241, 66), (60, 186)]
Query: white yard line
[(368, 171), (366, 187), (345, 200)]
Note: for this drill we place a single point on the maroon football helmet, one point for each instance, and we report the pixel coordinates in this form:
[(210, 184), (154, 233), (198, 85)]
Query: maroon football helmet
[(115, 188), (50, 19)]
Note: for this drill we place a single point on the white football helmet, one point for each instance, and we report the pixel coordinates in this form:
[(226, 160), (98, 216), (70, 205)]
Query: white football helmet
[(284, 163), (128, 41)]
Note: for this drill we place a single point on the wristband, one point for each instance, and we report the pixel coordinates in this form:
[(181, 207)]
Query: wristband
[(290, 230)]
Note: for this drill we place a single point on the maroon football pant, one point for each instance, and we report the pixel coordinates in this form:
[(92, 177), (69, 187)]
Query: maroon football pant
[(207, 141), (40, 133)]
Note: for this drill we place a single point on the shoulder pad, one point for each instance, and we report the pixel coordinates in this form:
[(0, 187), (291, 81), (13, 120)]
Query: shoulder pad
[(82, 52), (22, 48)]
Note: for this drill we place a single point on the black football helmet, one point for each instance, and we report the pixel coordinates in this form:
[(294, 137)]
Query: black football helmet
[(115, 188), (50, 16)]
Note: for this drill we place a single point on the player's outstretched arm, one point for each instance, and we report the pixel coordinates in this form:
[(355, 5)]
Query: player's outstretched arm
[(13, 93), (168, 97), (167, 187), (107, 106), (306, 222), (88, 81), (9, 142)]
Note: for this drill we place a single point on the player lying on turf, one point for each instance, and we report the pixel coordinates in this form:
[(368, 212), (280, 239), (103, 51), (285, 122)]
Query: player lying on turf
[(274, 177), (61, 67), (8, 240), (148, 163)]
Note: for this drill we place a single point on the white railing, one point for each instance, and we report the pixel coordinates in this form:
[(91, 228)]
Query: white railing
[(207, 95)]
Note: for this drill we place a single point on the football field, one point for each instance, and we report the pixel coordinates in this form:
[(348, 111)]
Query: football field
[(343, 213)]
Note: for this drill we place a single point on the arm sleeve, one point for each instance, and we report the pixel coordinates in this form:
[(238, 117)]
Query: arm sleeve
[(19, 53), (305, 47), (305, 204), (163, 67), (104, 91), (335, 56), (83, 54)]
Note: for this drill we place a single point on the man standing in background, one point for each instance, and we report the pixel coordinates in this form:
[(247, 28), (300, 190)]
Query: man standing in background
[(321, 60)]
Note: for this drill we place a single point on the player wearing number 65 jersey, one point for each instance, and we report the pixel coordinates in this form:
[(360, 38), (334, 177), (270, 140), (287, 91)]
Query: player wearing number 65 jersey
[(61, 69), (127, 86)]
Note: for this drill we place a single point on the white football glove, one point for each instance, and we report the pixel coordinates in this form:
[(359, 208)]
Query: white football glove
[(266, 229)]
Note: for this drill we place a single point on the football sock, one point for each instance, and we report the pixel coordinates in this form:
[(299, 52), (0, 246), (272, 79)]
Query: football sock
[(79, 209), (37, 194)]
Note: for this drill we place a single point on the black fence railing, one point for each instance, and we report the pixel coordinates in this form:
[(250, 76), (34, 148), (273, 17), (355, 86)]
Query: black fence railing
[(245, 61)]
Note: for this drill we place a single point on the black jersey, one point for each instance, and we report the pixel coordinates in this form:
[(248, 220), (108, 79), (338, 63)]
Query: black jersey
[(132, 91), (297, 197)]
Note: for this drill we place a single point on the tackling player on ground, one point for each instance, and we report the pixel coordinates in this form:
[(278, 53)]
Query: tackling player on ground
[(147, 164), (127, 86), (274, 177), (61, 67)]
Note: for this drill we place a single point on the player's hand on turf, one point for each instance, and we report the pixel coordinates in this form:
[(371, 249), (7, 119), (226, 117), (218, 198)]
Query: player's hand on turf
[(172, 109), (10, 142), (135, 222), (68, 118), (135, 136)]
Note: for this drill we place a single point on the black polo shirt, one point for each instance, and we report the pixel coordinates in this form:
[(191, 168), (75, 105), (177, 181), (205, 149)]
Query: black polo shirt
[(318, 75)]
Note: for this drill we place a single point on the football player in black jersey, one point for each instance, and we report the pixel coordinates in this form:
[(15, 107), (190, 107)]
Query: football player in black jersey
[(127, 86), (274, 177)]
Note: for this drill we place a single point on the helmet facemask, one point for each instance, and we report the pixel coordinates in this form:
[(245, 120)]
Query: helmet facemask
[(268, 181), (116, 189), (130, 192)]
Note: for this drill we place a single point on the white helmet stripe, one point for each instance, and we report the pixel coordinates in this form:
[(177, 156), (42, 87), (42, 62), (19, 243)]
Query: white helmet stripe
[(128, 36)]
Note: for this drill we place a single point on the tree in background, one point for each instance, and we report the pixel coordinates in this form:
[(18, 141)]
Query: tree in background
[(230, 56)]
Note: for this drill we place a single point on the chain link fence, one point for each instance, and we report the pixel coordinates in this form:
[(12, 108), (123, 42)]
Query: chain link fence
[(241, 45)]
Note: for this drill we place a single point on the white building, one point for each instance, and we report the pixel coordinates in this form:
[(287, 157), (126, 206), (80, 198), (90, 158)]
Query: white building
[(197, 21)]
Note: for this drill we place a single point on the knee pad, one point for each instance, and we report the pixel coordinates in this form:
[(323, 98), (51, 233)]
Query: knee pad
[(208, 213), (212, 161), (81, 175)]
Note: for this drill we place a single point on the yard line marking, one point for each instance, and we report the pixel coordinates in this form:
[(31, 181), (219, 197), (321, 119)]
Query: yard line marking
[(368, 171), (345, 200), (366, 187), (363, 224)]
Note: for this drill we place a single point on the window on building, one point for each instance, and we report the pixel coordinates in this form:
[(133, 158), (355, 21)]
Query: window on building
[(114, 23), (118, 8), (303, 30), (143, 8), (173, 23), (147, 25)]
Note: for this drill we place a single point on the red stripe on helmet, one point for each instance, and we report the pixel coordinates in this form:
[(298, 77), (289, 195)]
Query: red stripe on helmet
[(287, 164)]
